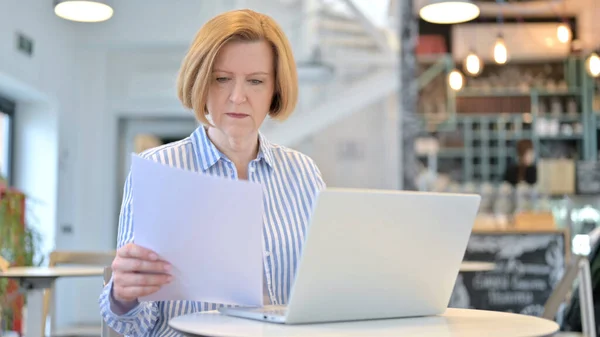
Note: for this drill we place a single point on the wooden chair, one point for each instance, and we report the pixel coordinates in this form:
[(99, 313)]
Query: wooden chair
[(577, 268), (79, 258), (3, 264)]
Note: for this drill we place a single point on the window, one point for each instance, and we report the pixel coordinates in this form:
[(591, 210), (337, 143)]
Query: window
[(7, 113)]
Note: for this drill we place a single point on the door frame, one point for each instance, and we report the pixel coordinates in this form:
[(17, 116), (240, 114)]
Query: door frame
[(129, 126)]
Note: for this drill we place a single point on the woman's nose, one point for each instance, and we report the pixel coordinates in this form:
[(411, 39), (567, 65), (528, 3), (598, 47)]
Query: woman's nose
[(238, 94)]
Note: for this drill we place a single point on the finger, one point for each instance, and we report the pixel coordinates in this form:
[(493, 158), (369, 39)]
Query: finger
[(133, 293), (132, 250), (141, 279), (137, 265)]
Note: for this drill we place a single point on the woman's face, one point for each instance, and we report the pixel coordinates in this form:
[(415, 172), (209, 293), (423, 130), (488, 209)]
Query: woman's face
[(241, 88)]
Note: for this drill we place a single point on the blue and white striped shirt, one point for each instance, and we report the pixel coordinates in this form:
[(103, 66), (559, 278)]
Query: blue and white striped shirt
[(290, 182)]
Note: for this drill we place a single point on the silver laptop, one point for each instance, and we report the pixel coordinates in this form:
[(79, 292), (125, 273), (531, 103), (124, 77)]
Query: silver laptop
[(374, 254)]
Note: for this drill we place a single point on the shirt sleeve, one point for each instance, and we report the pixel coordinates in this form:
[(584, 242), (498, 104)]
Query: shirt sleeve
[(310, 174), (142, 318), (319, 182)]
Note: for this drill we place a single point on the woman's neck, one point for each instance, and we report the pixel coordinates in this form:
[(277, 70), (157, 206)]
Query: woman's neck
[(239, 150)]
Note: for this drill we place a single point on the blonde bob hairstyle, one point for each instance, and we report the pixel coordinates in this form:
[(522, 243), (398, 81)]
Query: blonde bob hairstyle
[(239, 25)]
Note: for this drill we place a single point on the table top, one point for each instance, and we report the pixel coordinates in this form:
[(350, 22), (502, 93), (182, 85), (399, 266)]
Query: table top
[(45, 272), (454, 322), (469, 266), (62, 271)]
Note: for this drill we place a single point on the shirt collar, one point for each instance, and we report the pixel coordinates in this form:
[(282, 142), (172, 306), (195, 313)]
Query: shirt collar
[(265, 150), (208, 154)]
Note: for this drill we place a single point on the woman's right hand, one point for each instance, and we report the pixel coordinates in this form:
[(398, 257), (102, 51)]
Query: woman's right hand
[(137, 272)]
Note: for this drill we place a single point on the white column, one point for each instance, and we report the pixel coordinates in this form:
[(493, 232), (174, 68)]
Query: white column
[(408, 94)]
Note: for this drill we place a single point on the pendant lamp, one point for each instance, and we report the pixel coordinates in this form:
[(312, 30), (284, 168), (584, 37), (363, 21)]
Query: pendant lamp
[(592, 65), (563, 33), (83, 10), (449, 11), (456, 80)]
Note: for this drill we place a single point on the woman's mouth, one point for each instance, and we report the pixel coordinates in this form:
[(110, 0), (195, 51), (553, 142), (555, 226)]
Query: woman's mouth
[(236, 115)]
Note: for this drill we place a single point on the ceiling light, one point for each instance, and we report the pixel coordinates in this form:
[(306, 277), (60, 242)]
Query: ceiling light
[(456, 80), (593, 65), (563, 33), (83, 10), (473, 64), (449, 11), (500, 51)]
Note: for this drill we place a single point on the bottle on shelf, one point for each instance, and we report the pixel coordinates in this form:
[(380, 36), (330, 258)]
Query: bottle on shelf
[(503, 205), (572, 108)]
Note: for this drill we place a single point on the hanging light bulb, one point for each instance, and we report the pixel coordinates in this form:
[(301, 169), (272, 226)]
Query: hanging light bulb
[(455, 80), (473, 64), (592, 65), (500, 51), (563, 33)]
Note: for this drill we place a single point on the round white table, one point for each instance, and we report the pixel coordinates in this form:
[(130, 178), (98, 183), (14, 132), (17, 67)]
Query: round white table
[(453, 323), (50, 272), (32, 282)]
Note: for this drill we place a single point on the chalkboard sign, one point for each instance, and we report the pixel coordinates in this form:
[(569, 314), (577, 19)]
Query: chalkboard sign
[(529, 267), (588, 177)]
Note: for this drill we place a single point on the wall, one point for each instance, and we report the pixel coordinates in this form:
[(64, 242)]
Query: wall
[(360, 151), (42, 86), (588, 24), (36, 167), (538, 41)]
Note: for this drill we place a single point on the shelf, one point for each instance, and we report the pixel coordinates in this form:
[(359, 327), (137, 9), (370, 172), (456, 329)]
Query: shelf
[(561, 137), (511, 117), (528, 134), (448, 153), (495, 135), (513, 92), (451, 153), (577, 118)]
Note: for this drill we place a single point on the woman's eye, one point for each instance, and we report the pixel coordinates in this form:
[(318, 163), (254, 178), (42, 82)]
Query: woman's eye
[(256, 81), (222, 79)]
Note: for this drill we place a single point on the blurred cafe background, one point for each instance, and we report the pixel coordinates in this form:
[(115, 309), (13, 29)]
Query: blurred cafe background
[(495, 97)]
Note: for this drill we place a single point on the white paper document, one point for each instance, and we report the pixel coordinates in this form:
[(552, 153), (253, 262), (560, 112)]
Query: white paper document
[(208, 228)]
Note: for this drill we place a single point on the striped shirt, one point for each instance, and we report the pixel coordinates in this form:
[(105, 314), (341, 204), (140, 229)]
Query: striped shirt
[(290, 182)]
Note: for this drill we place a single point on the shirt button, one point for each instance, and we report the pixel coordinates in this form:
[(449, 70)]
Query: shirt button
[(267, 253)]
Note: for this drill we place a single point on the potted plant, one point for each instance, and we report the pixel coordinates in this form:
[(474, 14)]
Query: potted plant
[(19, 247)]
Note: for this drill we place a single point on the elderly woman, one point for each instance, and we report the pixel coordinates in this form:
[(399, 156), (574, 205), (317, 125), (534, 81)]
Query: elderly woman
[(238, 70)]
